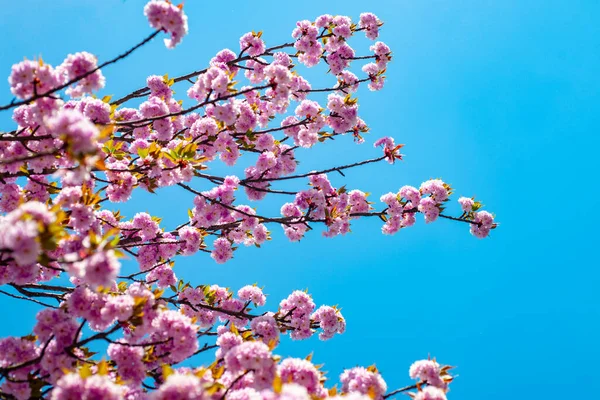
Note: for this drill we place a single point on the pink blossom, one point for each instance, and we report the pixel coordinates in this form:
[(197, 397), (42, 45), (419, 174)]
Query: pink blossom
[(303, 373), (192, 238), (80, 64), (180, 386), (265, 328), (410, 193), (370, 23), (11, 194), (430, 393), (255, 357), (94, 387), (466, 203), (28, 78), (429, 208), (330, 321), (119, 308), (484, 222), (75, 129), (163, 275), (427, 371), (129, 361), (227, 340), (252, 44), (98, 269), (165, 16), (253, 294), (178, 334), (158, 87), (438, 190), (323, 21), (148, 228), (222, 250), (22, 238), (299, 306), (361, 380)]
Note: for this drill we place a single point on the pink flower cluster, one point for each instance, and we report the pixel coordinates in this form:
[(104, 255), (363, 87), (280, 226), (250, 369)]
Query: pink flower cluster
[(252, 294), (339, 52), (252, 44), (180, 386), (375, 70), (79, 64), (430, 206), (96, 110), (14, 351), (343, 113), (163, 248), (428, 371), (29, 78), (307, 44), (390, 149), (163, 275), (192, 240), (215, 81), (429, 200), (158, 87), (255, 357), (75, 130), (73, 386), (33, 78), (122, 182), (430, 393), (226, 341), (222, 250), (330, 321), (265, 328), (466, 203), (323, 201), (55, 324), (97, 269), (100, 310), (370, 23), (400, 213), (363, 381), (274, 162), (303, 373), (147, 228), (20, 232), (483, 224), (298, 307), (177, 334), (129, 362), (165, 16), (195, 296)]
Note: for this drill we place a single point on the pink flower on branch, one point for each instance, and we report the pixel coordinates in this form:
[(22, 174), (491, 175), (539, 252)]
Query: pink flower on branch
[(167, 17)]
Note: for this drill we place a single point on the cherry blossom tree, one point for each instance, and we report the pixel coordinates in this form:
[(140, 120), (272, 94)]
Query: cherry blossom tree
[(73, 157)]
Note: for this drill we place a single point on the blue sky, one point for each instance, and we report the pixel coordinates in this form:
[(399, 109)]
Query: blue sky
[(500, 99)]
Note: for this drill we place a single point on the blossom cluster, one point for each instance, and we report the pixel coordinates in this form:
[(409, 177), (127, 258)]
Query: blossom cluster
[(429, 200), (64, 246), (165, 16), (33, 78)]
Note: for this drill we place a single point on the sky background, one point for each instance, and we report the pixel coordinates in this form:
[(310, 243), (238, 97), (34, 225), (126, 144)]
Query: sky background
[(501, 99)]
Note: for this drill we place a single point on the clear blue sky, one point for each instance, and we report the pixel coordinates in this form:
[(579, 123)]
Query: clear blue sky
[(499, 98)]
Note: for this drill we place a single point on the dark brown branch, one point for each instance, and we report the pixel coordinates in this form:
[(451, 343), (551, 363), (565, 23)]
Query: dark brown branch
[(404, 389), (324, 171)]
